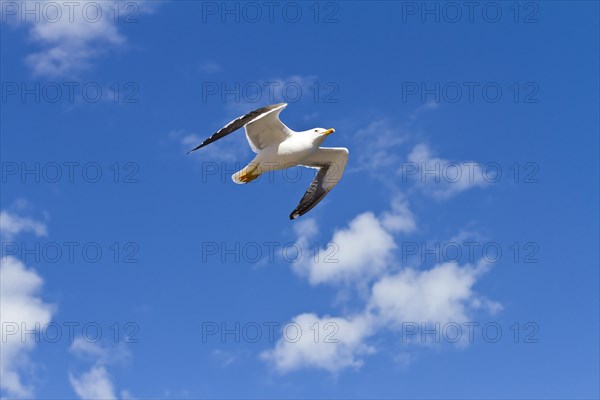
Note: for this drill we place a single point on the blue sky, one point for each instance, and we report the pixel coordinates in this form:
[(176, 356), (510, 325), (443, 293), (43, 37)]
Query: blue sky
[(139, 271)]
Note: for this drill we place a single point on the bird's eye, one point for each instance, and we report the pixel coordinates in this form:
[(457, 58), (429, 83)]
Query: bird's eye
[(315, 130)]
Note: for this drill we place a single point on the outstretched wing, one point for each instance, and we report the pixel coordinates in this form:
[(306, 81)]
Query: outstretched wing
[(250, 118), (331, 163), (267, 129)]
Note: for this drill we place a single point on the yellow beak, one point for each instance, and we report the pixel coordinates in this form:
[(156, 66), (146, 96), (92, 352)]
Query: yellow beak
[(328, 131)]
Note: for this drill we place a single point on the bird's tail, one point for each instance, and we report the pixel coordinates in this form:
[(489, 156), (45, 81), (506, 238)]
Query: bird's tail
[(249, 173)]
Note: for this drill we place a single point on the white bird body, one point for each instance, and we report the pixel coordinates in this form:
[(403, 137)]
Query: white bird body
[(291, 152), (278, 147)]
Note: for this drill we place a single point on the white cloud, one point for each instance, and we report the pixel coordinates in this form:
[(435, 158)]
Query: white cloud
[(86, 348), (400, 218), (439, 177), (441, 294), (329, 343), (71, 35), (306, 229), (12, 225), (365, 252), (358, 252), (94, 384), (69, 46), (21, 307), (378, 146)]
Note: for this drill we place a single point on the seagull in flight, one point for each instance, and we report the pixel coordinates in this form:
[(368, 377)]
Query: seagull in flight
[(278, 147)]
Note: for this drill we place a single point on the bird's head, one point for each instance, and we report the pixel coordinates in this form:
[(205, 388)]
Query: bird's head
[(321, 133)]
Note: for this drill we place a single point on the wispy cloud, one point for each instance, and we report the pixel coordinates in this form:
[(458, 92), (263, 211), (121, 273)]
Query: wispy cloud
[(379, 146), (430, 105), (224, 358), (72, 36), (438, 177), (93, 384), (97, 383), (12, 224), (400, 218), (382, 148)]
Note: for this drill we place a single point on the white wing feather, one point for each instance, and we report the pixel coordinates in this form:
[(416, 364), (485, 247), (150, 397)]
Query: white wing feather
[(267, 130)]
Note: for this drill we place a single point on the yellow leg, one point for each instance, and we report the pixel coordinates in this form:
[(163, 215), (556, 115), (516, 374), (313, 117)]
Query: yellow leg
[(248, 175)]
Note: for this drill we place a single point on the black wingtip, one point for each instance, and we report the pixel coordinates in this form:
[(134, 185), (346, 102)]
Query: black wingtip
[(294, 215), (195, 148)]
